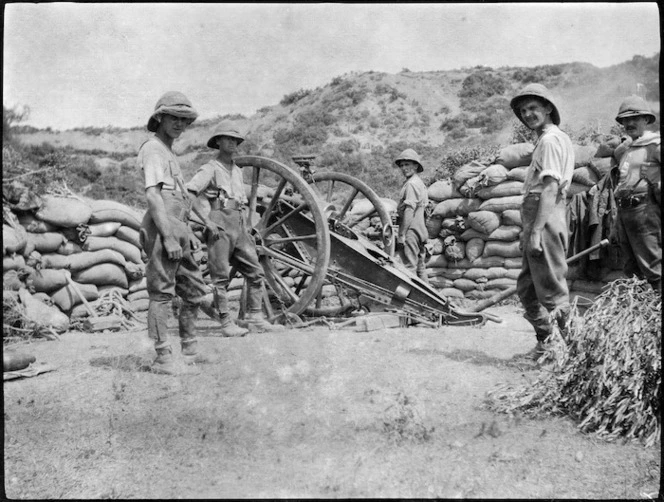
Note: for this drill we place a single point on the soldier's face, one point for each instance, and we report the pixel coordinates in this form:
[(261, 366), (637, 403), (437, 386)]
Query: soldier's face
[(535, 113), (227, 144), (635, 126), (173, 126), (408, 168)]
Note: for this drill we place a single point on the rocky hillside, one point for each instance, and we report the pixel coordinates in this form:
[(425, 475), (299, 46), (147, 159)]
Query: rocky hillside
[(359, 121)]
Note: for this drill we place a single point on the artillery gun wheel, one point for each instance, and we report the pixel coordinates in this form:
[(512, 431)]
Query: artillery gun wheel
[(342, 190), (291, 232)]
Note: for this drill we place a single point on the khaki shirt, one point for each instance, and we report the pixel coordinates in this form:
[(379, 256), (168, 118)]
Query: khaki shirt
[(414, 194), (638, 159), (553, 156), (215, 181), (159, 165)]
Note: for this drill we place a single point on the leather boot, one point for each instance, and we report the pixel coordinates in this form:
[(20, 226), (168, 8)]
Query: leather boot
[(231, 330), (256, 323), (191, 354), (164, 364)]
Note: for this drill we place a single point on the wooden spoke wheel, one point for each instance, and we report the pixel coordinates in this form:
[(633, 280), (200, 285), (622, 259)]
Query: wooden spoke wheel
[(291, 232), (343, 194)]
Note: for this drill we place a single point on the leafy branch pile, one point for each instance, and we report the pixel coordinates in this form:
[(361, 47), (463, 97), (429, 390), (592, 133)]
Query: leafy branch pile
[(609, 379)]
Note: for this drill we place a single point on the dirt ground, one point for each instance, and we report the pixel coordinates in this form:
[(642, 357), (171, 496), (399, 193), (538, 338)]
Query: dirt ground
[(310, 412)]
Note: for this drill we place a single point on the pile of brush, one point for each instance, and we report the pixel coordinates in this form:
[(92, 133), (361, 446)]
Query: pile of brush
[(609, 378)]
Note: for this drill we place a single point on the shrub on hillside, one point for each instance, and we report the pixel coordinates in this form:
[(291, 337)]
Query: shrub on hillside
[(482, 85), (294, 97)]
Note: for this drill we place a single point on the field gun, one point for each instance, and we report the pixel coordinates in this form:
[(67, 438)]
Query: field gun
[(316, 263)]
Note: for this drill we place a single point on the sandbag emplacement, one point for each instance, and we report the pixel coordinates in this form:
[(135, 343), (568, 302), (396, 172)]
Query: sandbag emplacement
[(83, 260), (46, 242), (32, 224), (516, 155), (454, 207), (500, 248), (43, 315), (110, 210), (484, 221), (13, 262), (105, 229), (48, 280), (442, 190), (65, 212), (500, 204), (126, 249), (504, 189), (14, 240), (103, 274)]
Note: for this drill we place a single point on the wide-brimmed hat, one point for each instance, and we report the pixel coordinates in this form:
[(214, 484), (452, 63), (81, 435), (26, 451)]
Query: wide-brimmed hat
[(410, 154), (538, 91), (172, 103), (634, 106), (225, 128)]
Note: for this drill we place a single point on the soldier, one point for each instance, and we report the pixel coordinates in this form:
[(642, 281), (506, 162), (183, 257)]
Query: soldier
[(165, 235), (227, 231), (413, 200), (541, 284), (638, 185)]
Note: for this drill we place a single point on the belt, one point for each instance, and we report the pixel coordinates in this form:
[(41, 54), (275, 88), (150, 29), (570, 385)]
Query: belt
[(232, 204), (631, 201)]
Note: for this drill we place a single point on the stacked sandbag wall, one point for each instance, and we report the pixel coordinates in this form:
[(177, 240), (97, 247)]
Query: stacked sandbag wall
[(475, 224), (96, 243)]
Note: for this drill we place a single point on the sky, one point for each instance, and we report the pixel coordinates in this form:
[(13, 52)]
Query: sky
[(85, 64)]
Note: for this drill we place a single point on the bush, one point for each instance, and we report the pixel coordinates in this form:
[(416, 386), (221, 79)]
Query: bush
[(294, 97), (482, 85)]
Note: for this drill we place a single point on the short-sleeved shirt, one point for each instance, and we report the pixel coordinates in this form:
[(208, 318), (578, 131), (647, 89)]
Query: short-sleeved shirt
[(159, 165), (641, 158), (413, 194), (553, 156), (215, 181)]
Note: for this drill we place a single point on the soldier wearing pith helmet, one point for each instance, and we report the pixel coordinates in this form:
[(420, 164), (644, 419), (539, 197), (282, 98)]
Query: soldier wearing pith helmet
[(229, 243), (541, 284), (637, 182), (171, 269), (413, 200)]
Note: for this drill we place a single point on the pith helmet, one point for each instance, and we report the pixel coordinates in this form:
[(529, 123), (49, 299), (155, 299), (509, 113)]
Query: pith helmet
[(172, 103), (634, 106), (225, 128), (410, 154), (539, 91)]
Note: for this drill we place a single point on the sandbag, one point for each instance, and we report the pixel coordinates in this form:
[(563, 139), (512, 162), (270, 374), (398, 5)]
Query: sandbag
[(505, 233), (46, 242), (442, 190), (48, 280), (454, 225), (466, 172), (513, 262), (451, 293), (34, 225), (110, 210), (447, 273), (130, 235), (105, 229), (12, 280), (66, 298), (139, 305), (517, 174), (507, 188), (364, 207), (511, 217), (478, 274), (500, 204), (434, 246), (492, 175), (512, 273), (483, 221), (437, 261), (504, 249), (69, 247), (453, 207), (433, 225), (471, 233), (585, 176), (481, 262), (500, 283), (465, 284), (138, 295), (12, 262), (602, 166), (67, 212), (14, 239), (583, 154), (474, 248), (455, 252), (440, 282), (42, 314), (575, 188), (126, 249), (103, 274), (517, 155), (480, 294), (123, 291), (82, 260), (606, 148), (138, 285)]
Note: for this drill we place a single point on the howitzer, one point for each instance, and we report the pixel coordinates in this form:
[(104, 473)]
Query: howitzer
[(510, 291)]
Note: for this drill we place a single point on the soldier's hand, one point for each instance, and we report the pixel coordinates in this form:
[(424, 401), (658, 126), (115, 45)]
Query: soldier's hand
[(535, 244), (212, 231), (173, 248)]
